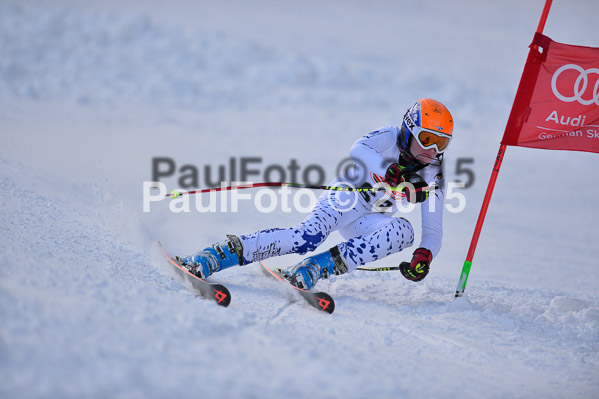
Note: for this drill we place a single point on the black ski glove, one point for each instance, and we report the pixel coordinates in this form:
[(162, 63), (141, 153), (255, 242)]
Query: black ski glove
[(394, 173), (419, 267), (397, 174), (415, 187)]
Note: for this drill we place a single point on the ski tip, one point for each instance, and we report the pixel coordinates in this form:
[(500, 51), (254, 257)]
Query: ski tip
[(320, 300), (221, 295), (213, 291), (325, 302)]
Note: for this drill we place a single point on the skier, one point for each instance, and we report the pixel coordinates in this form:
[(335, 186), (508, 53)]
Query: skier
[(410, 154)]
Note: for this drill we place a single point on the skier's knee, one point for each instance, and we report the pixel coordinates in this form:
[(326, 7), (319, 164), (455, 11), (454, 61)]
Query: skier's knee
[(308, 241), (406, 228)]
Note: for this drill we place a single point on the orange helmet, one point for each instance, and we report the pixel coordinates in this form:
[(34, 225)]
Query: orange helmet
[(430, 123)]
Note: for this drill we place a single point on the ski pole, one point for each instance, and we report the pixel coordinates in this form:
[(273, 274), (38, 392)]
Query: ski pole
[(378, 269), (177, 193)]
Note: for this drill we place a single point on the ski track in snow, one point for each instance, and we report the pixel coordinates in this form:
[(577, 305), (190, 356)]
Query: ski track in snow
[(90, 308)]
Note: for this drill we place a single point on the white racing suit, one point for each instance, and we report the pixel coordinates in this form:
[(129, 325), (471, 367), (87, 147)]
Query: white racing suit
[(370, 233)]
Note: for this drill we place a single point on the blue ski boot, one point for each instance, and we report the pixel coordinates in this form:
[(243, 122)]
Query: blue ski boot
[(305, 274), (215, 258)]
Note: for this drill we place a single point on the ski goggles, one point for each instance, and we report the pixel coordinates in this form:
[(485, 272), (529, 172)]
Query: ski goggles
[(427, 138), (431, 139)]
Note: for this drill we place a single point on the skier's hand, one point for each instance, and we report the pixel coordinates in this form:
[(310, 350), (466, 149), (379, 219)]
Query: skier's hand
[(393, 174), (396, 174), (414, 187), (419, 267)]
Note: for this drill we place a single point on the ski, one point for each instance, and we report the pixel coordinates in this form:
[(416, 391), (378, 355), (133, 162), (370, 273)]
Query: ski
[(320, 300), (216, 292)]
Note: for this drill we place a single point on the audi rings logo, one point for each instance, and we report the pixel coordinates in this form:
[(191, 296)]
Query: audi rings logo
[(580, 85)]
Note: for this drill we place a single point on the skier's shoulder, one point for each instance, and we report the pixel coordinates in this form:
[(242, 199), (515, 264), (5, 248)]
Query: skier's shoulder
[(389, 131), (382, 137)]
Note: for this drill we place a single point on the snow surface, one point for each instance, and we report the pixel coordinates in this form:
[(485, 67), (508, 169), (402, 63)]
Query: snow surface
[(90, 92)]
